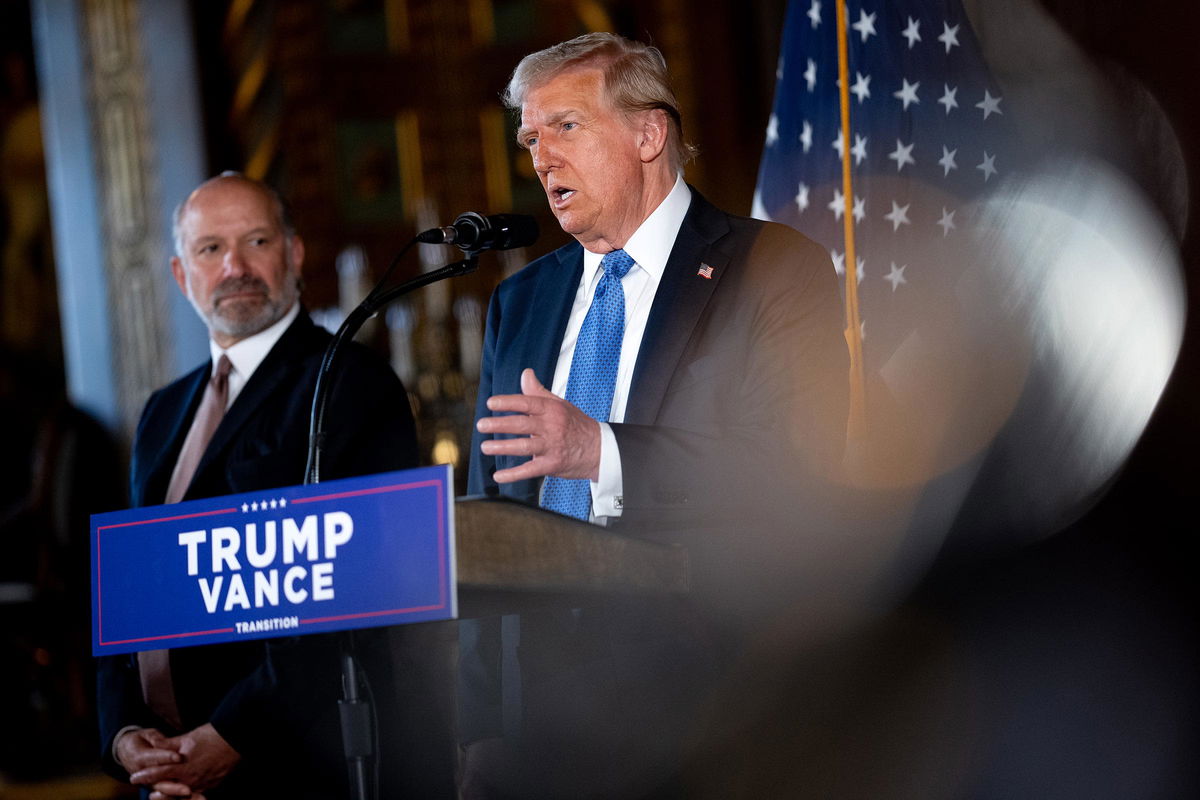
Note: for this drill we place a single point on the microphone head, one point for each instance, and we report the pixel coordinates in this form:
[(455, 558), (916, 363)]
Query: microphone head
[(514, 230), (476, 232)]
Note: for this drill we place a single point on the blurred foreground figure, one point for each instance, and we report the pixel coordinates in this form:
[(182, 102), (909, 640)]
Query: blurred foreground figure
[(676, 371), (1019, 284), (254, 719)]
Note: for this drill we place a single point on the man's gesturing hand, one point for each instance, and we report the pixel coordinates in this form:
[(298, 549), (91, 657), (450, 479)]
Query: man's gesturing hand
[(562, 440)]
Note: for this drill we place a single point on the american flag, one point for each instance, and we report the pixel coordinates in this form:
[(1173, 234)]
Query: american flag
[(930, 132)]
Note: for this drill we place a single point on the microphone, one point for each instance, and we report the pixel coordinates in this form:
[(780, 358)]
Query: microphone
[(474, 232)]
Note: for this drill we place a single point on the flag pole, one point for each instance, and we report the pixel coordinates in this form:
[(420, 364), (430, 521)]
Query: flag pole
[(857, 421)]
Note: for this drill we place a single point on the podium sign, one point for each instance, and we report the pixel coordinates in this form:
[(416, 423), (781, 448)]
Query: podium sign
[(343, 554)]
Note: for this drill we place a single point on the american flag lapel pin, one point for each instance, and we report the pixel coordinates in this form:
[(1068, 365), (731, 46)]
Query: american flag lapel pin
[(705, 271)]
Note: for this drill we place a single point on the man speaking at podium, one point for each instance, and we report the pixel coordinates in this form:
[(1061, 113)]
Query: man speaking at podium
[(674, 368), (253, 719)]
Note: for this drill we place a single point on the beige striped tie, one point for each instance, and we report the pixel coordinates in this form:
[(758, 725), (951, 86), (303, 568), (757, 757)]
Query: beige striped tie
[(154, 666)]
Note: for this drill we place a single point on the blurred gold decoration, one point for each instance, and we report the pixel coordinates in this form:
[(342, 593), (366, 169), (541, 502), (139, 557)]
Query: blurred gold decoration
[(494, 134)]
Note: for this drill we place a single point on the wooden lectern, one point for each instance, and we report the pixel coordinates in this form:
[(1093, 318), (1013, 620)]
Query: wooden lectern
[(512, 557)]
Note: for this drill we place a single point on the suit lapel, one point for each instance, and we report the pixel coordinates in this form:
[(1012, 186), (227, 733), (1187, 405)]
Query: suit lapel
[(285, 357), (678, 304), (553, 295), (181, 410)]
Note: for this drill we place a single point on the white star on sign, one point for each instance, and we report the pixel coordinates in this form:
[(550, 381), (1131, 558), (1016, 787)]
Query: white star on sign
[(859, 151), (947, 222), (948, 98), (274, 503), (989, 104), (896, 276), (802, 197), (865, 24), (806, 136), (862, 86), (947, 160), (838, 204), (839, 262), (949, 36), (254, 506), (814, 12), (810, 75), (860, 209), (283, 502), (898, 216), (245, 507), (988, 166), (908, 93), (912, 32), (902, 155), (772, 130)]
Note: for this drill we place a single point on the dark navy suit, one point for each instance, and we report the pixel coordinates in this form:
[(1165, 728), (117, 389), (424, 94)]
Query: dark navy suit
[(738, 399), (737, 374), (273, 700)]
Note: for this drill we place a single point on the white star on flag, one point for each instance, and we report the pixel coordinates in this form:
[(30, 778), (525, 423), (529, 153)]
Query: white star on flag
[(907, 93), (947, 222), (802, 197), (947, 160), (948, 98), (814, 12), (898, 215), (810, 75), (839, 144), (988, 167), (949, 36), (865, 24), (838, 204), (839, 262), (912, 32), (989, 104), (860, 209), (896, 276), (862, 86), (902, 155), (772, 130), (806, 136), (859, 151)]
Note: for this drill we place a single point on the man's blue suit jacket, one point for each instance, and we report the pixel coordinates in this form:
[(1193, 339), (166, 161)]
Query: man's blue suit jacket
[(741, 383)]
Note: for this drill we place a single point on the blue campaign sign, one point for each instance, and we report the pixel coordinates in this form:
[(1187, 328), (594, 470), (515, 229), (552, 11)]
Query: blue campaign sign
[(343, 554)]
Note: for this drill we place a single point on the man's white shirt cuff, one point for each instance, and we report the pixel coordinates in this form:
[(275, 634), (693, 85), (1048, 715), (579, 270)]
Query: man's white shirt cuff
[(607, 492)]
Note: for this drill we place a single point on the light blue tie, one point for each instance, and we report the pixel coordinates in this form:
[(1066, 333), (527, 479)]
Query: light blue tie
[(593, 375)]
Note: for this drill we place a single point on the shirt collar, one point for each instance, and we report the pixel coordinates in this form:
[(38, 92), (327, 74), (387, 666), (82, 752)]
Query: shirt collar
[(651, 244), (247, 354)]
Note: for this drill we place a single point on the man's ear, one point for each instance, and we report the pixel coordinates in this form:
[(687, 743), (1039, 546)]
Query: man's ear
[(653, 132), (296, 253), (180, 276)]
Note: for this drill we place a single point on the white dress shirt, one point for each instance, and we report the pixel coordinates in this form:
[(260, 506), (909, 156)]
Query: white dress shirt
[(247, 354), (650, 246)]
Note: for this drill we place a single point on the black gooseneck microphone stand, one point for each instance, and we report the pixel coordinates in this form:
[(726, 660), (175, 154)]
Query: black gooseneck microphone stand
[(357, 714)]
